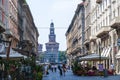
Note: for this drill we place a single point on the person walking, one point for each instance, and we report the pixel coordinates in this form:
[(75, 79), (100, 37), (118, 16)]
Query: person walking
[(52, 68), (55, 67), (60, 70), (64, 69), (112, 68), (46, 69)]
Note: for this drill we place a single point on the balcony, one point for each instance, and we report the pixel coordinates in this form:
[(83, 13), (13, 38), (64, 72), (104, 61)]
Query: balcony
[(87, 41), (74, 51), (98, 1), (92, 38), (115, 23), (103, 31)]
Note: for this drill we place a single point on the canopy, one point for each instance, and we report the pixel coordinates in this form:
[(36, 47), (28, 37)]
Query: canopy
[(15, 55), (93, 57), (118, 55)]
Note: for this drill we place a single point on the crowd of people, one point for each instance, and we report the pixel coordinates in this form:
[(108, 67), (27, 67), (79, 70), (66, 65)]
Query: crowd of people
[(62, 68)]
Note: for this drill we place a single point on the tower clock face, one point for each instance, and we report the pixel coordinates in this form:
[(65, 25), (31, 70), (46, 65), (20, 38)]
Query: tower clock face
[(51, 31)]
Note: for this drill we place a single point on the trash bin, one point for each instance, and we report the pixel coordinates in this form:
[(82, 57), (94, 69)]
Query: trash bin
[(105, 72)]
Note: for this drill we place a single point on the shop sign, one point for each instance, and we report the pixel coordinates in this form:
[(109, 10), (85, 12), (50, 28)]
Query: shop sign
[(100, 67)]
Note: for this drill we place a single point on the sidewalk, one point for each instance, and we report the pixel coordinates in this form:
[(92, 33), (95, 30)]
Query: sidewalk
[(70, 76)]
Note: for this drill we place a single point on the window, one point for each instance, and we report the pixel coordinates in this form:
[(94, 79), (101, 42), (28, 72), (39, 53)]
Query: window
[(0, 2), (0, 15), (113, 13), (109, 18)]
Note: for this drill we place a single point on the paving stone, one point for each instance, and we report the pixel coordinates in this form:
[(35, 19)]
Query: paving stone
[(70, 76)]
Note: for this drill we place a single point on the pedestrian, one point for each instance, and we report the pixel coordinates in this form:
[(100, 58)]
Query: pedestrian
[(112, 68), (52, 67), (94, 68), (9, 76), (46, 69), (64, 69), (60, 70)]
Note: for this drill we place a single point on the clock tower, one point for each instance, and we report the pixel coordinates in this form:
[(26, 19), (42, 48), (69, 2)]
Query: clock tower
[(51, 53), (52, 35)]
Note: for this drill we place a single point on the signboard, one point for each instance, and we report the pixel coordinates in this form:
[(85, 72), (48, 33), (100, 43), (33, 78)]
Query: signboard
[(118, 42), (100, 67)]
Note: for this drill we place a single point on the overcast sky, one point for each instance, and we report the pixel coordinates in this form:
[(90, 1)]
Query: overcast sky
[(60, 12)]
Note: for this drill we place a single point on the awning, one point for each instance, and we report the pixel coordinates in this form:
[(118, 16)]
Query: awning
[(106, 51), (15, 55), (23, 52), (93, 57), (118, 55), (103, 52)]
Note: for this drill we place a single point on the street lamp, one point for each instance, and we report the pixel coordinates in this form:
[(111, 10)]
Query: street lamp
[(99, 52), (100, 64)]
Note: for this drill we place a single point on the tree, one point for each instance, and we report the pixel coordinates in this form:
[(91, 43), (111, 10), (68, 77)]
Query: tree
[(62, 56)]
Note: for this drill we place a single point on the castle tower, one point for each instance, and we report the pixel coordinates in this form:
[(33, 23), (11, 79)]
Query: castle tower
[(51, 54)]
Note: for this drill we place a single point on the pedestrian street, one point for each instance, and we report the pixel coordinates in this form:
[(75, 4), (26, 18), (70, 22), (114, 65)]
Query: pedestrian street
[(70, 76)]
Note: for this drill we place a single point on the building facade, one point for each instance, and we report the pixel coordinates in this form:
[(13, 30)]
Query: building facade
[(3, 15), (75, 34), (101, 31), (40, 47), (30, 31), (3, 23), (17, 27), (52, 47), (87, 29), (40, 55), (12, 29), (104, 14), (20, 19)]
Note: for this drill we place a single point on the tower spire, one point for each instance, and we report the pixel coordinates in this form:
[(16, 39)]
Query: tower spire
[(52, 35)]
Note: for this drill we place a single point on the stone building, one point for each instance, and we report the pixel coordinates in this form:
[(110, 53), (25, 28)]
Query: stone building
[(20, 18), (52, 47), (75, 34), (12, 30), (3, 23), (9, 19), (102, 33), (30, 31), (3, 15), (17, 27), (104, 30), (40, 55), (40, 47), (87, 29)]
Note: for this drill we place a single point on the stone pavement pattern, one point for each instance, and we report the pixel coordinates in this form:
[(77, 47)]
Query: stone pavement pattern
[(70, 76)]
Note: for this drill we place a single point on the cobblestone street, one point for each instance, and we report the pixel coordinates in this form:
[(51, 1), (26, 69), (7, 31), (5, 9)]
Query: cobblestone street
[(70, 76)]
